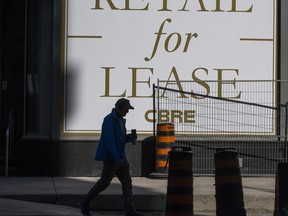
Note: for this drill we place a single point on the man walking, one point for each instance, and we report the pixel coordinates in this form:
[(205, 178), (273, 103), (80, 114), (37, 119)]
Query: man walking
[(111, 150)]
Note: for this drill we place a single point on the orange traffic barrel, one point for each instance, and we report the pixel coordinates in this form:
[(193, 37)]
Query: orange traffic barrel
[(179, 198), (228, 183), (164, 141)]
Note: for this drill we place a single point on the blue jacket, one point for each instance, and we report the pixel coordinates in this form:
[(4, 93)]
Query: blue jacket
[(113, 138)]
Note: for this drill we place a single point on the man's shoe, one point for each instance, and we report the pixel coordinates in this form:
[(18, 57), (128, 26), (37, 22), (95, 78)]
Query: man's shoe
[(133, 214), (84, 209)]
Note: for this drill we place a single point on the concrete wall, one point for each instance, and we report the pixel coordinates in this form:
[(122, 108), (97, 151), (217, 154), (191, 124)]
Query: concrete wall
[(40, 157)]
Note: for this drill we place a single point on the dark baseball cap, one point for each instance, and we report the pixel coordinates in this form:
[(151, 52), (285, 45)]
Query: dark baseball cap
[(123, 101)]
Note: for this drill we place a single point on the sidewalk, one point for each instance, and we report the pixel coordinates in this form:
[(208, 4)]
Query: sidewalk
[(149, 195)]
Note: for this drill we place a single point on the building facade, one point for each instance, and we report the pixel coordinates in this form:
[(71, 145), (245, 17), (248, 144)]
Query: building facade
[(39, 95)]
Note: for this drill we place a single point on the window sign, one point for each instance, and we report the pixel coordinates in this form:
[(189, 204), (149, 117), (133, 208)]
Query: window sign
[(119, 48)]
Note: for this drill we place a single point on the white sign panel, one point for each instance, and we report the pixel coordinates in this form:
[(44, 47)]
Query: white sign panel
[(119, 48)]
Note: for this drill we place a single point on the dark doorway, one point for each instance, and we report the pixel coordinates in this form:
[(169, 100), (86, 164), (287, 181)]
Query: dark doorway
[(12, 58)]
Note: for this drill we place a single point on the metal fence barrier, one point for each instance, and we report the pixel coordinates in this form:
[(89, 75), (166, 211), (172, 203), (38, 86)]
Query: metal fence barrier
[(250, 116)]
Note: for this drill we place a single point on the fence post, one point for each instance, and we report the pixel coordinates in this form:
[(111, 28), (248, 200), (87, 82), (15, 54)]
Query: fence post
[(286, 132), (9, 140), (158, 102), (281, 190), (7, 152), (154, 111)]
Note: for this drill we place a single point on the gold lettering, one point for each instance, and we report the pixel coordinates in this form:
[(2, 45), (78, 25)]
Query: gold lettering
[(221, 82), (127, 6), (107, 84), (165, 8), (202, 6), (186, 116), (234, 8), (113, 7), (167, 41), (189, 37), (163, 116), (135, 81), (160, 32), (189, 116), (176, 114), (200, 82), (98, 7), (218, 6), (147, 118), (175, 74)]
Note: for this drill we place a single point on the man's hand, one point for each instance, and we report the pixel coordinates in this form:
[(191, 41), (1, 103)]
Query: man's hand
[(132, 136)]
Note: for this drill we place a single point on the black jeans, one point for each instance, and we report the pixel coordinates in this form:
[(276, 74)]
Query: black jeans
[(110, 169)]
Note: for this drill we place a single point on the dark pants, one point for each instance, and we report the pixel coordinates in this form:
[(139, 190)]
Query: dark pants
[(110, 169)]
